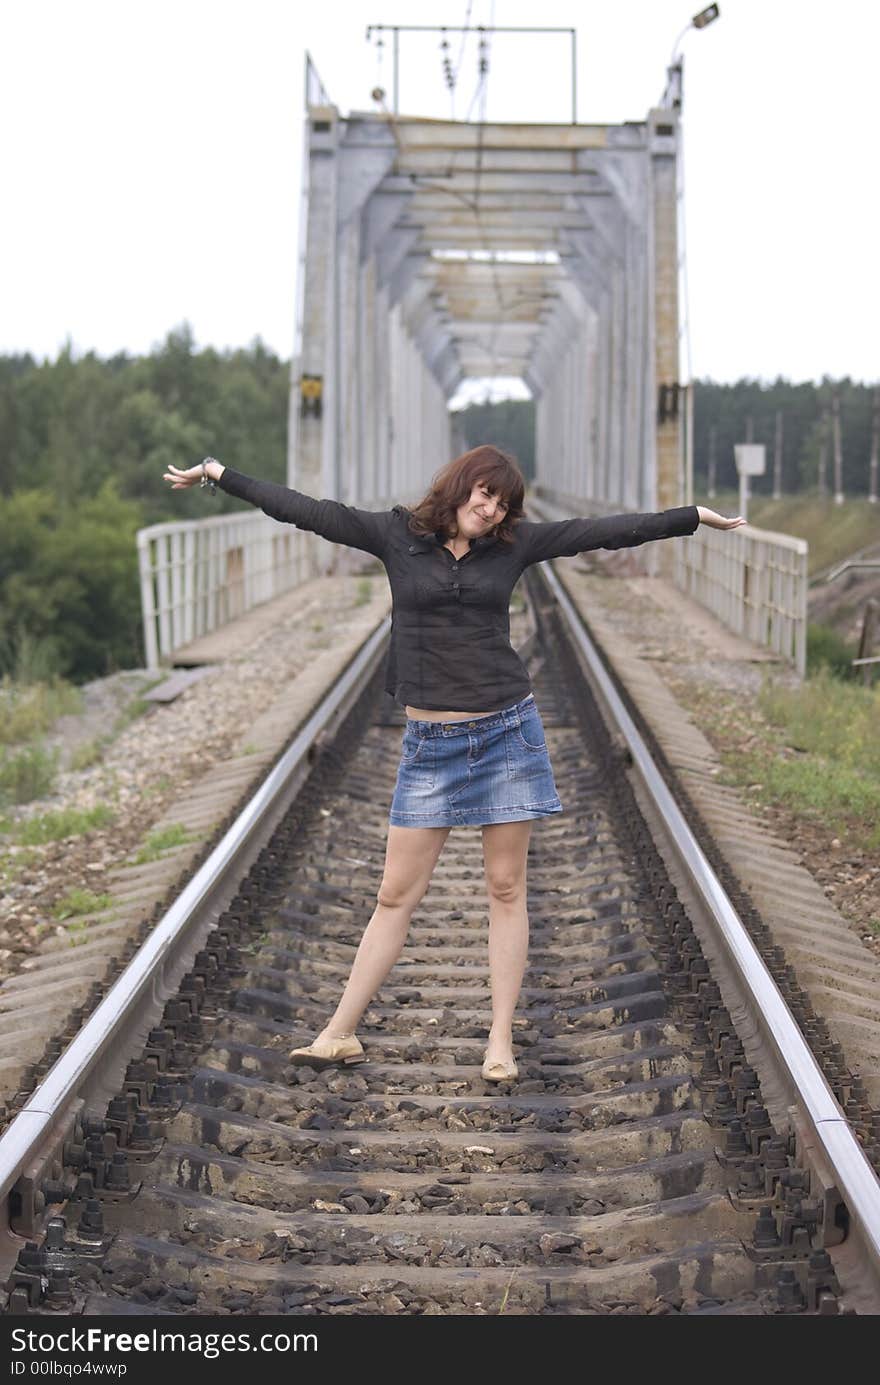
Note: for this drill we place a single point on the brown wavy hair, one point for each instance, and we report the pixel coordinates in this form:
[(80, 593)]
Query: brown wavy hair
[(453, 484)]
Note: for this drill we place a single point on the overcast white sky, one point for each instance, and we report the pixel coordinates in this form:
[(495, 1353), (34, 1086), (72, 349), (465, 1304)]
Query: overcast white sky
[(152, 156)]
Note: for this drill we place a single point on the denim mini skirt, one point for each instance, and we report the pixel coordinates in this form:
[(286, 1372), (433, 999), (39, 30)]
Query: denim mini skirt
[(495, 768)]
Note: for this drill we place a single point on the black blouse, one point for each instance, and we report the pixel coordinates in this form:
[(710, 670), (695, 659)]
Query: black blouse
[(450, 645)]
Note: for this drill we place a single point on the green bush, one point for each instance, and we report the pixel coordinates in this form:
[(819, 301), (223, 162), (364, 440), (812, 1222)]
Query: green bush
[(827, 649)]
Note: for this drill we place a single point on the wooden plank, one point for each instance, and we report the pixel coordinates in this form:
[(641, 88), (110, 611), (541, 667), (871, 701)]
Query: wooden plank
[(178, 682)]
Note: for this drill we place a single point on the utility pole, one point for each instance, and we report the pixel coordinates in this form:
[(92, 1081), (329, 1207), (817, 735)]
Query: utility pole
[(875, 447), (823, 455), (838, 450), (713, 442), (777, 458)]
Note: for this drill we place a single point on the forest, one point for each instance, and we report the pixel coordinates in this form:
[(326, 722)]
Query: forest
[(84, 442)]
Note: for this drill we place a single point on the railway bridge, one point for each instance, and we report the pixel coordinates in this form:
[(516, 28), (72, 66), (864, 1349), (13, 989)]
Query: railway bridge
[(437, 251), (686, 1134)]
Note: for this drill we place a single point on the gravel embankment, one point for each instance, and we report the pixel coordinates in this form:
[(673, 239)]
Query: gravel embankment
[(150, 761), (719, 686)]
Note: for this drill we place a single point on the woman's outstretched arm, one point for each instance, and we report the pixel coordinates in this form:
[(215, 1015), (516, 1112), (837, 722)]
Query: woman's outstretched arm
[(565, 537), (364, 529)]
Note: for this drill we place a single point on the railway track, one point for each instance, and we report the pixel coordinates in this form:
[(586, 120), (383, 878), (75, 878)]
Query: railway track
[(656, 1155)]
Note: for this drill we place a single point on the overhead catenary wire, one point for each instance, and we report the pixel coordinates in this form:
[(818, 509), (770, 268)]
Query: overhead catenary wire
[(461, 47), (483, 92), (471, 201)]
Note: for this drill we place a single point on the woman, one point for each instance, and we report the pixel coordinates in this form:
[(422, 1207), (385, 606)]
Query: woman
[(473, 750)]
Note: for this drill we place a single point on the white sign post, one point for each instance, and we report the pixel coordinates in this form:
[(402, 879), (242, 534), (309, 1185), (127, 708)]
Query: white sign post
[(750, 460)]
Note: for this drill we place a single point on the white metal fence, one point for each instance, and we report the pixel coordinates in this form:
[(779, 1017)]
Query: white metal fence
[(753, 580), (198, 574)]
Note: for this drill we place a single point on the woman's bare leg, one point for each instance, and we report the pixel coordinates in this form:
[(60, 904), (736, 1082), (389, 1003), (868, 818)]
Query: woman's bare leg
[(410, 858), (505, 849)]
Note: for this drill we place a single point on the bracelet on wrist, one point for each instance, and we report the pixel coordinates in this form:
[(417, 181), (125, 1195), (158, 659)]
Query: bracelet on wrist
[(206, 479)]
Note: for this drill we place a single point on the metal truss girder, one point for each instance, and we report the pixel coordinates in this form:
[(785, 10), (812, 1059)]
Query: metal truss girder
[(432, 162), (464, 327), (522, 200), (475, 182), (588, 282), (496, 218), (393, 249), (383, 210), (366, 154), (513, 238), (580, 330), (405, 272), (451, 135)]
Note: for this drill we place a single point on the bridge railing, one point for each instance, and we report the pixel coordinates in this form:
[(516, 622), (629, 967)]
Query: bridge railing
[(196, 575), (754, 580)]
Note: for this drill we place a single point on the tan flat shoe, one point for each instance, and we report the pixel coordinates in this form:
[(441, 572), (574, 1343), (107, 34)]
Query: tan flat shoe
[(498, 1072), (344, 1048)]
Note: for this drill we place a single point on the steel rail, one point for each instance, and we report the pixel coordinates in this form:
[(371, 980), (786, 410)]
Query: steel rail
[(154, 973), (802, 1077)]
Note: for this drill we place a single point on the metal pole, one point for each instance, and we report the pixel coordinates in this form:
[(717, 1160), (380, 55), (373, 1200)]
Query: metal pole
[(574, 103), (689, 444), (396, 33), (838, 452), (875, 447)]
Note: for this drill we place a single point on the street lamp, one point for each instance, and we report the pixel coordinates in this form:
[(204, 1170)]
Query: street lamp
[(672, 95), (672, 100)]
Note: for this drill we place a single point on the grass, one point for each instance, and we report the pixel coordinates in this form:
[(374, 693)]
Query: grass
[(12, 863), (79, 901), (162, 839), (813, 749), (503, 1307), (78, 932), (156, 789), (255, 944), (27, 774), (826, 648), (364, 591), (88, 754), (56, 826), (29, 709), (130, 713)]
